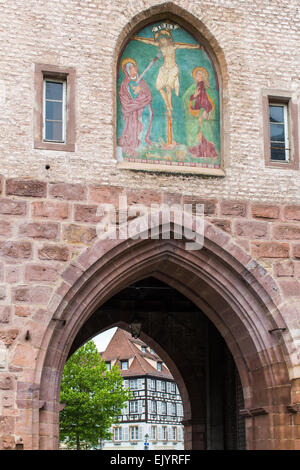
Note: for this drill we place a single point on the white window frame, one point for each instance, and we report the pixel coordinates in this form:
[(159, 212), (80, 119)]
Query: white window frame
[(118, 434), (159, 366), (164, 433), (135, 430), (287, 149), (154, 434), (122, 362), (133, 407), (164, 408), (64, 109), (133, 384)]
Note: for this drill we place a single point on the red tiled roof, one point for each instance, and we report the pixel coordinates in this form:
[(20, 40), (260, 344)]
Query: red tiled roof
[(122, 346)]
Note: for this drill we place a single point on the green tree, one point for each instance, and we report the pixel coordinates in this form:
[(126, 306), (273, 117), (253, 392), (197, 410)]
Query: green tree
[(94, 398)]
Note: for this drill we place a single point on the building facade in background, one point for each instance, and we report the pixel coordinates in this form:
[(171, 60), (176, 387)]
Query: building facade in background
[(153, 418)]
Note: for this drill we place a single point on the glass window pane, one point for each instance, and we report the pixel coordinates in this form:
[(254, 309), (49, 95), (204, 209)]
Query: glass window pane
[(276, 113), (54, 110), (277, 132), (277, 151), (54, 131), (54, 91)]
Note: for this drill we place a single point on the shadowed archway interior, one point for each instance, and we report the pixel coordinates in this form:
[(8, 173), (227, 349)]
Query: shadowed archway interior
[(171, 322)]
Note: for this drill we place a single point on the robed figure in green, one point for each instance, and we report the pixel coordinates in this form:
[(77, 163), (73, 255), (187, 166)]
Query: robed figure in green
[(200, 116)]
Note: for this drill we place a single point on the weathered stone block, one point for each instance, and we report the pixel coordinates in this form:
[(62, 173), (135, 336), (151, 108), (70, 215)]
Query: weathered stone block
[(68, 191), (12, 207), (296, 251), (251, 229), (51, 210), (24, 356), (105, 194), (290, 287), (28, 188), (5, 312), (87, 213), (292, 213), (41, 230), (210, 205), (233, 208), (8, 336), (265, 211), (284, 269), (6, 382), (7, 442), (5, 229), (286, 232), (36, 272), (22, 311), (12, 274), (33, 295), (14, 250), (54, 252), (3, 357), (270, 250), (79, 234)]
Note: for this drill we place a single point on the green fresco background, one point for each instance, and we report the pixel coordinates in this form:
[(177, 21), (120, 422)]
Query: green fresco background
[(186, 60)]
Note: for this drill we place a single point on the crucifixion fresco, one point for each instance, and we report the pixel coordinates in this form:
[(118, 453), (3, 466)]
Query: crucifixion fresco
[(168, 100)]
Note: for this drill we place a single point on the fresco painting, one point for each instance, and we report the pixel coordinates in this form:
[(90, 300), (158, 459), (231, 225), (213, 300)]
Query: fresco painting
[(168, 109)]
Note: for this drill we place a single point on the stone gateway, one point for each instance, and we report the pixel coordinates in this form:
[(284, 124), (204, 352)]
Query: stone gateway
[(172, 103)]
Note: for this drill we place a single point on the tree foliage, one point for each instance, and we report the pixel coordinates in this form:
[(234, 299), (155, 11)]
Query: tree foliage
[(94, 397)]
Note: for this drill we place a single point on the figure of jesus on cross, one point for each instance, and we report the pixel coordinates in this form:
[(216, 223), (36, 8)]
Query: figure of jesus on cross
[(168, 75)]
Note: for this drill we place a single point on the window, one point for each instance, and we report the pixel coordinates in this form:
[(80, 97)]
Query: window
[(279, 134), (117, 434), (152, 351), (152, 384), (153, 433), (133, 406), (124, 365), (153, 407), (108, 365), (163, 386), (173, 388), (144, 349), (280, 131), (133, 384), (159, 366), (163, 408), (174, 433), (134, 433), (54, 110), (173, 409), (164, 433)]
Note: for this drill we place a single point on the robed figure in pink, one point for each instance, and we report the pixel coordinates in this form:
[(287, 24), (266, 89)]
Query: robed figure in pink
[(135, 96)]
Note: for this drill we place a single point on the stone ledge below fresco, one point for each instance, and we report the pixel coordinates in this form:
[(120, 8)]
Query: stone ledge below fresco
[(171, 168)]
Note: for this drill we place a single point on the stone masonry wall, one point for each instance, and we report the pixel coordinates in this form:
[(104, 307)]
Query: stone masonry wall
[(48, 217), (260, 43)]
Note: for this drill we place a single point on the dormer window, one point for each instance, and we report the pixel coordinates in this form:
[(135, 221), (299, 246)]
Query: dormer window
[(159, 366), (144, 349), (124, 365)]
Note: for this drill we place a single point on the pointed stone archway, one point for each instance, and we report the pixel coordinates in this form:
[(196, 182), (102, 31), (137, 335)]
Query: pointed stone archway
[(235, 293)]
